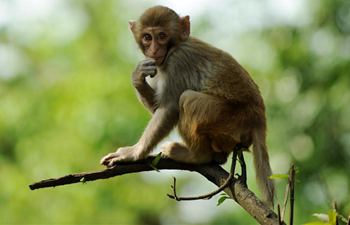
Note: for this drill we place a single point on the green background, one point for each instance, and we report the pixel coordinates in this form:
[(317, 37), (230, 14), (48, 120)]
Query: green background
[(66, 99)]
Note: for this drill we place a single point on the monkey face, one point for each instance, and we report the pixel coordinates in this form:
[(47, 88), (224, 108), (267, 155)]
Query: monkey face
[(155, 42), (158, 30)]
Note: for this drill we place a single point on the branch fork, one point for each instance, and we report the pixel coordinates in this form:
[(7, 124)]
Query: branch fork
[(230, 178)]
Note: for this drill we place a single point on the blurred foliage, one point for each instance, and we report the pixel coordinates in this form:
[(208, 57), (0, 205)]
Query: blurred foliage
[(66, 100)]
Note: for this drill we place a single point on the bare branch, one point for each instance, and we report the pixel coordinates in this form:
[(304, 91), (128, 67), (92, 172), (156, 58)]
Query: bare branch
[(214, 173), (279, 214), (291, 188), (285, 202), (215, 192)]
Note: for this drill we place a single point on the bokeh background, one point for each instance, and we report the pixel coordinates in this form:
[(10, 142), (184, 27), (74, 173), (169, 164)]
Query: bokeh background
[(66, 100)]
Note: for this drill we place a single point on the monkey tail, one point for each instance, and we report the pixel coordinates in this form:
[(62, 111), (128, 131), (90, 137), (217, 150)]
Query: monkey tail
[(262, 166)]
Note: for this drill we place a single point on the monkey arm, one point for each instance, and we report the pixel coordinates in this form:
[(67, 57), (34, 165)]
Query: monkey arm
[(145, 92), (162, 122), (146, 95)]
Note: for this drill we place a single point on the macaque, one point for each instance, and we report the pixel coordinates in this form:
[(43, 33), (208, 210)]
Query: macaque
[(202, 90)]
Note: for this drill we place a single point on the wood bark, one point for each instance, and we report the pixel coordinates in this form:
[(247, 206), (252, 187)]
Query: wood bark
[(214, 173)]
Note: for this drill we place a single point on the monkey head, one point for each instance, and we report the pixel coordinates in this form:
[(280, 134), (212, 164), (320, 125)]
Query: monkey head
[(158, 30)]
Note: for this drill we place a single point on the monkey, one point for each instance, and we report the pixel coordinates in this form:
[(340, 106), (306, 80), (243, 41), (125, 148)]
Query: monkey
[(203, 90)]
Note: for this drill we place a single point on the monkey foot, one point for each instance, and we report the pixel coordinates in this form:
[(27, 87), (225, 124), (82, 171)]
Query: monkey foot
[(108, 159), (123, 154), (243, 177)]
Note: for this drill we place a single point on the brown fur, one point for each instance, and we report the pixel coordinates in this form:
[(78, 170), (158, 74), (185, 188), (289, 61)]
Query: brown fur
[(204, 91)]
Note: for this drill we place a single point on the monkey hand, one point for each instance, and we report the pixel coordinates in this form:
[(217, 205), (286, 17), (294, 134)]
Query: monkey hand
[(123, 154), (146, 67)]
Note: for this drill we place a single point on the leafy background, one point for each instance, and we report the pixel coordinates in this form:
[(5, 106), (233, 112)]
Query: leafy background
[(66, 100)]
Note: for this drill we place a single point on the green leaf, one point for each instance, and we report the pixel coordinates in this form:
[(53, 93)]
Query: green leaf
[(221, 200), (278, 176), (316, 223), (332, 215), (155, 161), (326, 219), (155, 168), (321, 216), (83, 180)]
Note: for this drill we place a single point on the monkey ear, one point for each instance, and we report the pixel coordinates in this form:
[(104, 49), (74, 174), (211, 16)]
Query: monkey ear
[(186, 27), (132, 24)]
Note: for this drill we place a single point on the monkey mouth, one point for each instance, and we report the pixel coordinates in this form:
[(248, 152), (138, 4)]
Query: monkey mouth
[(159, 60)]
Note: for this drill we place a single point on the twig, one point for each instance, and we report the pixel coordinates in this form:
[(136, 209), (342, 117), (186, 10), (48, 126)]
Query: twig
[(285, 201), (211, 194), (348, 221), (214, 173), (279, 214), (173, 187), (291, 184)]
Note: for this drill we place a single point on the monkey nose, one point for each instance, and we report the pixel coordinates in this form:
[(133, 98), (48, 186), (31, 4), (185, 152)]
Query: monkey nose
[(154, 54)]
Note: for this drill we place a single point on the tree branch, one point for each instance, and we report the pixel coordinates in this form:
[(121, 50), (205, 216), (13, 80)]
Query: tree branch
[(215, 192), (214, 173)]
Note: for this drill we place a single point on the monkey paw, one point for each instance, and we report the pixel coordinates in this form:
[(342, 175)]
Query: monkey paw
[(123, 154)]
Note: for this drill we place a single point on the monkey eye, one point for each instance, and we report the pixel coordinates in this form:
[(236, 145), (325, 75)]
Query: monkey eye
[(162, 35), (147, 37)]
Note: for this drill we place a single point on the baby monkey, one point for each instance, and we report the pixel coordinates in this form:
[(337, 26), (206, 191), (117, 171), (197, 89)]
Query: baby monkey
[(203, 90)]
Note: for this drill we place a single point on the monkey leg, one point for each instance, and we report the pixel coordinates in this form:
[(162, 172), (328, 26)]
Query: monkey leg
[(208, 126), (181, 153)]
